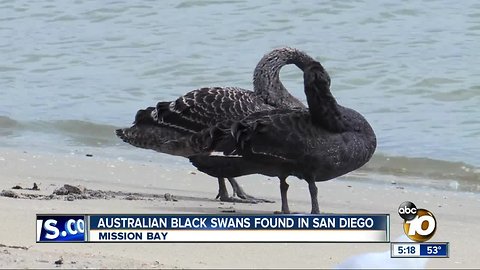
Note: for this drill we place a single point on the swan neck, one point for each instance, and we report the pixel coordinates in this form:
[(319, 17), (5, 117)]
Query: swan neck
[(324, 110), (266, 77)]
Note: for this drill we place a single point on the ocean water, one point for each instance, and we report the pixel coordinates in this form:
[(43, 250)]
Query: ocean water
[(73, 71)]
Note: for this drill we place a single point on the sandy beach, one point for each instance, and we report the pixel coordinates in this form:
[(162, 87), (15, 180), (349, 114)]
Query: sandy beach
[(72, 72), (139, 187)]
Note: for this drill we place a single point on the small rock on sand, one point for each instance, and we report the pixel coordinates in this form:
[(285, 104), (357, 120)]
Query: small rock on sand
[(9, 193), (69, 189), (75, 189), (131, 198), (169, 197), (59, 261), (60, 191), (35, 186)]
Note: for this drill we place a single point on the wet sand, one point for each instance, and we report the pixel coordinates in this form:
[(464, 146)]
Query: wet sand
[(122, 186)]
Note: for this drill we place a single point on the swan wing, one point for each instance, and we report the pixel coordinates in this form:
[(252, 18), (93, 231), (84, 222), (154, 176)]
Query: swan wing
[(205, 107)]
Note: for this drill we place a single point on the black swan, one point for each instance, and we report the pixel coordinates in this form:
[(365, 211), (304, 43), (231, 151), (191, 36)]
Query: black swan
[(165, 127), (318, 144)]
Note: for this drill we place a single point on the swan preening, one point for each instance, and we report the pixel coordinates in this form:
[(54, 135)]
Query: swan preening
[(230, 132), (316, 144), (169, 125)]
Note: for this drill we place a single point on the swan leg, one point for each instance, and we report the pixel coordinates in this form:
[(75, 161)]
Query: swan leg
[(224, 197), (222, 190), (239, 192), (283, 194), (313, 195)]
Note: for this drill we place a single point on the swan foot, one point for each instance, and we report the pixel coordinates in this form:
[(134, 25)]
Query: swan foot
[(237, 200), (257, 200), (224, 197), (240, 193)]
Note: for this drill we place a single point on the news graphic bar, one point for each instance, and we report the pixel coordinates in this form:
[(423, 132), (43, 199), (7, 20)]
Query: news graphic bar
[(238, 228), (213, 228), (420, 250), (61, 228)]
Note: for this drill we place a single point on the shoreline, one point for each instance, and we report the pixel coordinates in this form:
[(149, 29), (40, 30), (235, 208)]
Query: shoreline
[(456, 212)]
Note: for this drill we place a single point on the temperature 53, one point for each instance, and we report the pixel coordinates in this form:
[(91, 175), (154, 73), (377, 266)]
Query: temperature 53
[(433, 250)]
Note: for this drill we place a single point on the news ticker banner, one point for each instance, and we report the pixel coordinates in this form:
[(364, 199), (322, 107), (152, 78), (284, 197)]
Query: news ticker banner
[(419, 250), (213, 228)]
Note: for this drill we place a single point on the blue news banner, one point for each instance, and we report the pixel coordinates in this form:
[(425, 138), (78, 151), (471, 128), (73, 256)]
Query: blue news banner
[(213, 228)]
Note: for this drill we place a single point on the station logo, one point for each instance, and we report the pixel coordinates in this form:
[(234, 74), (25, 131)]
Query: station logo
[(60, 228), (419, 224)]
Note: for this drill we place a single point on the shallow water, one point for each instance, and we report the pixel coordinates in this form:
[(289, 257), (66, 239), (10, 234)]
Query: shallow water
[(71, 73)]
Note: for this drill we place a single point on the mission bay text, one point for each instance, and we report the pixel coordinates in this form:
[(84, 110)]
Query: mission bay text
[(133, 236)]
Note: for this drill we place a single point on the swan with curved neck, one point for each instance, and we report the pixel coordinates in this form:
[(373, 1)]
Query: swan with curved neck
[(166, 127), (316, 144)]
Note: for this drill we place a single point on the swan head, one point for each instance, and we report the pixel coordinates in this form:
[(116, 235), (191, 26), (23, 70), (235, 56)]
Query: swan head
[(315, 74)]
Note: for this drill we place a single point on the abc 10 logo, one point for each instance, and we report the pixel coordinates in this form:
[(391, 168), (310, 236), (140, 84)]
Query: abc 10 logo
[(419, 224)]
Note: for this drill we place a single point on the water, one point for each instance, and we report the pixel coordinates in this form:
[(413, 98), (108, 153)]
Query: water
[(70, 73)]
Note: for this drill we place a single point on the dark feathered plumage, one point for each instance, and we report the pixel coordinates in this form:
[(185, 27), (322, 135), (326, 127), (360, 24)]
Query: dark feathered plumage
[(168, 127), (317, 144)]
